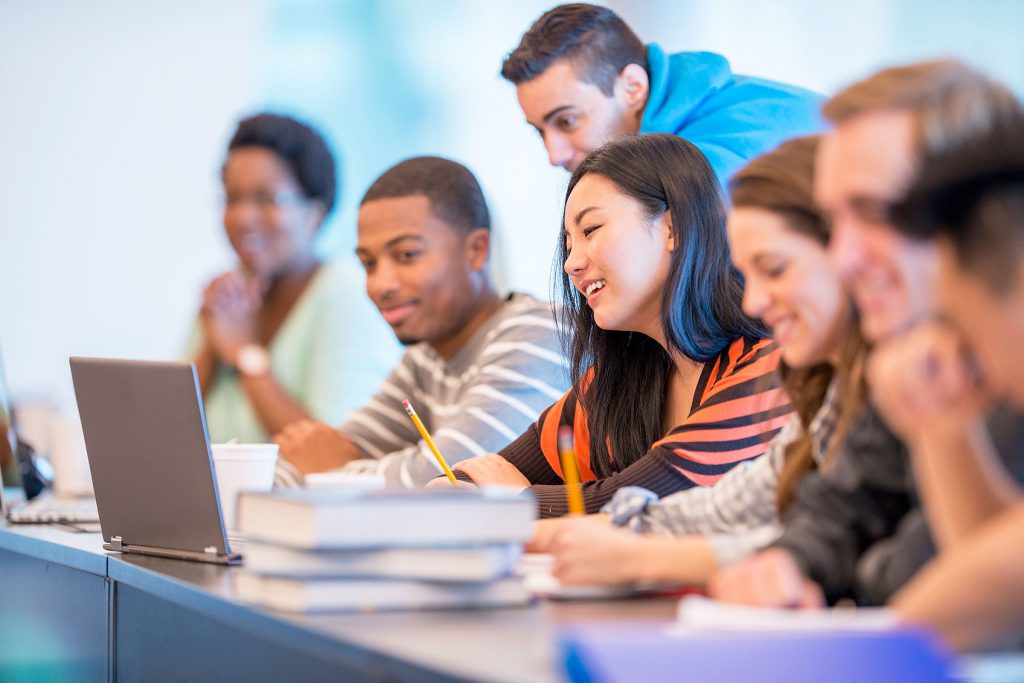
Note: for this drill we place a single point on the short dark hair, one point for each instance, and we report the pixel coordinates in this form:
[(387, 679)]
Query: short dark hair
[(701, 306), (453, 191), (974, 196), (595, 39), (303, 150)]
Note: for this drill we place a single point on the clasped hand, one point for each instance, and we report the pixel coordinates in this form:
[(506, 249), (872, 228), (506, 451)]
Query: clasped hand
[(925, 381), (230, 313)]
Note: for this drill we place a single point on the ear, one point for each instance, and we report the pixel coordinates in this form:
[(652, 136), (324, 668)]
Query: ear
[(667, 230), (478, 248), (633, 86)]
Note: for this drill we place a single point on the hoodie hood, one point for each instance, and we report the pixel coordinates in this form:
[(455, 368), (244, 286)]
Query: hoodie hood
[(680, 84), (730, 118)]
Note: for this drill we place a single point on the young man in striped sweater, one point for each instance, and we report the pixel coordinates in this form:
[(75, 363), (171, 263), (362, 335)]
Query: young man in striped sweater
[(479, 367)]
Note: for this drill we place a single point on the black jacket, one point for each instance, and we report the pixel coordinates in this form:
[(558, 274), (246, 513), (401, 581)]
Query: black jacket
[(857, 529)]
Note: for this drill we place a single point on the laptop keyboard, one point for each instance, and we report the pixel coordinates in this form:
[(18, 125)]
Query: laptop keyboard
[(51, 509)]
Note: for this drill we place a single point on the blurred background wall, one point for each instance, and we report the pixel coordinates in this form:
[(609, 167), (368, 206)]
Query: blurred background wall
[(114, 116)]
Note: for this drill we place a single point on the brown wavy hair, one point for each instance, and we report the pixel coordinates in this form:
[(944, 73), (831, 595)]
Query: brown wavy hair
[(781, 182)]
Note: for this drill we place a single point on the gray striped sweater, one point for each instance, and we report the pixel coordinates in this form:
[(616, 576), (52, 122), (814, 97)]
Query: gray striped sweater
[(476, 402)]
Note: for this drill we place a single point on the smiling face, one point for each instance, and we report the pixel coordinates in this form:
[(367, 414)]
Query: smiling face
[(862, 169), (268, 220), (789, 285), (574, 117), (618, 259), (419, 270)]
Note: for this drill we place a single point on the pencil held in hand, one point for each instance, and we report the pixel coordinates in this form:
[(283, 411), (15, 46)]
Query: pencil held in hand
[(430, 442), (570, 471)]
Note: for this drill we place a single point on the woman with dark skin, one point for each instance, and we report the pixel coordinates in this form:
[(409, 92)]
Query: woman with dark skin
[(269, 353)]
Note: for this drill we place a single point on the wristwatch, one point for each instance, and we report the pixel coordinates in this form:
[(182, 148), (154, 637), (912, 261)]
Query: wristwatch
[(252, 360)]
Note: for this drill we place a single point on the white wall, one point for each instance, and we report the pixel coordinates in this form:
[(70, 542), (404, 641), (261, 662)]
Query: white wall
[(113, 120), (114, 116)]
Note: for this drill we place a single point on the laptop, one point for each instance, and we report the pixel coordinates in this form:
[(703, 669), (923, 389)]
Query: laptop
[(40, 506), (149, 452)]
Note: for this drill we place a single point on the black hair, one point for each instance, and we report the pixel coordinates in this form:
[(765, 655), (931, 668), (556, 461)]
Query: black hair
[(595, 39), (299, 146), (453, 191), (974, 196), (701, 308)]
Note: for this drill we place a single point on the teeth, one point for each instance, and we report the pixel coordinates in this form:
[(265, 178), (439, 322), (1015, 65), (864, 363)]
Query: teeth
[(781, 327), (594, 286)]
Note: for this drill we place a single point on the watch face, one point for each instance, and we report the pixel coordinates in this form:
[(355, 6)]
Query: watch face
[(253, 360)]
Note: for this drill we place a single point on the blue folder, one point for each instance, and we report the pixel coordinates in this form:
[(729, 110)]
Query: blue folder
[(628, 653)]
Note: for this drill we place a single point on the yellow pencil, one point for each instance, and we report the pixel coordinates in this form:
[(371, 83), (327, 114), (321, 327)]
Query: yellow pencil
[(570, 471), (430, 442)]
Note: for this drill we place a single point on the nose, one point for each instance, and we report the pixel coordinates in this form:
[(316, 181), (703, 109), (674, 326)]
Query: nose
[(560, 152), (382, 281), (755, 299), (240, 214), (845, 249), (576, 263)]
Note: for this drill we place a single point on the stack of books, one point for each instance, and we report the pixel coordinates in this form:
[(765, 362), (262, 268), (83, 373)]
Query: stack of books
[(351, 550)]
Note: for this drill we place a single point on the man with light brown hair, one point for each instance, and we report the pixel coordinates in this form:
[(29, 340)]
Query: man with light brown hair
[(857, 530)]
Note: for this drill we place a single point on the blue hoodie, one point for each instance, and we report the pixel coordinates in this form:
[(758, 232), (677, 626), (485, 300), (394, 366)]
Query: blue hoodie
[(730, 118)]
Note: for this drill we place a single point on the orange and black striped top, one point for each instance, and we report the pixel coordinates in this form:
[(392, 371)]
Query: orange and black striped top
[(738, 407)]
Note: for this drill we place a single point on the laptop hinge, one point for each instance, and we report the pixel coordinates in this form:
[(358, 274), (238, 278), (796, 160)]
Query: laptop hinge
[(115, 543)]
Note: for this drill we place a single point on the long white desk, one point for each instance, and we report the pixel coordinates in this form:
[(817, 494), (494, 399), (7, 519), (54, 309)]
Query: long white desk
[(84, 614)]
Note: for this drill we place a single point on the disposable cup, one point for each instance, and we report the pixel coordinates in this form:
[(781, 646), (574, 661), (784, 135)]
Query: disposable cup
[(242, 467)]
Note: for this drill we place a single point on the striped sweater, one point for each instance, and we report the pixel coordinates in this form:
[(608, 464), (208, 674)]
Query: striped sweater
[(738, 407), (473, 403)]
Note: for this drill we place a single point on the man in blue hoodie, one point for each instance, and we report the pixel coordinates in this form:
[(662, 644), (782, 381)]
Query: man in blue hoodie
[(583, 78)]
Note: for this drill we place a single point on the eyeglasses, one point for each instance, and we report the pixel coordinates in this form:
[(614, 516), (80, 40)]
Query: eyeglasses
[(264, 201)]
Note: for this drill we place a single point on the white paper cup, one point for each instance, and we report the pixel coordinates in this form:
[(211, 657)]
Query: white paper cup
[(71, 475), (34, 420), (241, 467)]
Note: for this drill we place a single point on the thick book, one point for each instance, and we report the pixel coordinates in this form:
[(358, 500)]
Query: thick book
[(452, 564), (370, 595), (301, 518)]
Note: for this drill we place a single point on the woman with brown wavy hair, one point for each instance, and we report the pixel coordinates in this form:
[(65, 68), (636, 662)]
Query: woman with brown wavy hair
[(778, 239)]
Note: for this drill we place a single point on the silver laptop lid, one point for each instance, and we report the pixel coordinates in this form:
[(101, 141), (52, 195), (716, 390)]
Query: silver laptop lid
[(149, 452)]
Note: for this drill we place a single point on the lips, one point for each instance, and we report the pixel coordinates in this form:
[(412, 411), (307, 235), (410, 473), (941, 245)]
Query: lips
[(592, 289), (396, 314), (781, 328)]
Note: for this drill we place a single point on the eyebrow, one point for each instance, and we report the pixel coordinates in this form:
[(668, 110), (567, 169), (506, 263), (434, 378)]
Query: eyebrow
[(760, 257), (555, 112), (392, 242), (579, 216)]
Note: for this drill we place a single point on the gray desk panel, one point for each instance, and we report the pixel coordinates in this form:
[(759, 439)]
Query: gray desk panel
[(159, 640), (54, 621)]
